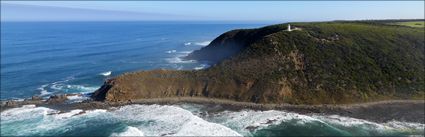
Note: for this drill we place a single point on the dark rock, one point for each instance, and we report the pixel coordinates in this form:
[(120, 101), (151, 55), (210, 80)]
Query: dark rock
[(57, 99), (11, 103), (100, 94), (36, 98), (251, 128)]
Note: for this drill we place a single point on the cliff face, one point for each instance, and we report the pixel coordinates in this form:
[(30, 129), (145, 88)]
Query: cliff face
[(331, 62)]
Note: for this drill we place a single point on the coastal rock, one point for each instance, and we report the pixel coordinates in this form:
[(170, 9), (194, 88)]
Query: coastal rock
[(36, 98), (10, 103), (56, 99)]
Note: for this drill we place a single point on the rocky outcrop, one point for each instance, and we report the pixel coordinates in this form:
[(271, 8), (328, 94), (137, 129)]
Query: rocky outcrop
[(329, 62), (56, 99), (100, 93), (231, 43)]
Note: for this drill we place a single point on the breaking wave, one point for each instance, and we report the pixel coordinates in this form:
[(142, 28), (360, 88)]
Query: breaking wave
[(132, 120), (266, 123), (130, 131), (164, 120)]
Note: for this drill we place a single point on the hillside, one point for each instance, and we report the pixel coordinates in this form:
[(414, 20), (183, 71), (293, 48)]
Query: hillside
[(327, 62)]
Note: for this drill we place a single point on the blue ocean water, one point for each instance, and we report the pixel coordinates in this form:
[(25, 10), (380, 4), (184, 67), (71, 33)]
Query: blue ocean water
[(43, 58), (40, 58)]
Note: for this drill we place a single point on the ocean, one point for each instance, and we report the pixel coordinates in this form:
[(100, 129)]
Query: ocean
[(45, 58)]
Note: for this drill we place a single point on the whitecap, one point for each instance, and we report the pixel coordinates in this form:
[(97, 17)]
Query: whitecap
[(107, 73)]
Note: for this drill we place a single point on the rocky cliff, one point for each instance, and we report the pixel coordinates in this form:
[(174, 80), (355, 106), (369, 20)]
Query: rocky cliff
[(327, 62)]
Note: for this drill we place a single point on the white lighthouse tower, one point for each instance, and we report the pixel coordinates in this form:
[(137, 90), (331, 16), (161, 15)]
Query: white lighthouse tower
[(289, 27)]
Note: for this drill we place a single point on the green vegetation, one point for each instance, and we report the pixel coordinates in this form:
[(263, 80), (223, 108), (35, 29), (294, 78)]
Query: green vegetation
[(419, 24), (327, 62)]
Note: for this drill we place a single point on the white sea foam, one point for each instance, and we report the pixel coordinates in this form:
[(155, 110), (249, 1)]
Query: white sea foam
[(188, 43), (202, 66), (67, 114), (82, 89), (77, 98), (25, 112), (172, 121), (30, 120), (130, 131), (347, 121), (241, 121), (360, 124), (203, 43), (186, 52), (158, 120), (405, 125), (179, 60), (43, 90), (107, 73), (247, 120), (171, 51), (61, 87)]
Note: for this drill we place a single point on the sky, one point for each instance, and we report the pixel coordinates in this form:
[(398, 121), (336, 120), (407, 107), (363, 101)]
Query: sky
[(277, 11)]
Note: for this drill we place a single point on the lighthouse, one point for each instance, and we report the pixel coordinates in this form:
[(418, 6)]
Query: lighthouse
[(289, 27)]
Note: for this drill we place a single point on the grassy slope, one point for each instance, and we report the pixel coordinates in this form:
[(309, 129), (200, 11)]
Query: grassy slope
[(367, 61), (419, 24), (330, 62)]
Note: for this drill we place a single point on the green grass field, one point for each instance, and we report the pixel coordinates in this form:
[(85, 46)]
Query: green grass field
[(419, 24)]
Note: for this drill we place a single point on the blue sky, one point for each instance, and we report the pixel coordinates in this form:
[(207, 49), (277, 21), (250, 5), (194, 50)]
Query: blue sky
[(209, 10)]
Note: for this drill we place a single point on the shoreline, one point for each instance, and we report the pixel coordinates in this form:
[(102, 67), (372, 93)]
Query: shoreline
[(378, 111)]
